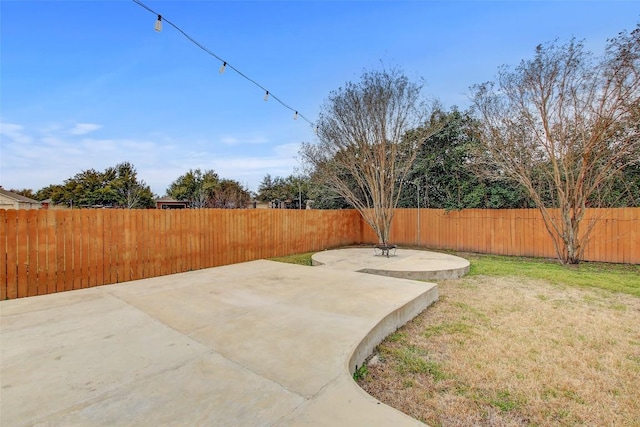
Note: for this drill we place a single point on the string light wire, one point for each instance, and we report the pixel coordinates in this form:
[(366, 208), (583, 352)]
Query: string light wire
[(225, 64)]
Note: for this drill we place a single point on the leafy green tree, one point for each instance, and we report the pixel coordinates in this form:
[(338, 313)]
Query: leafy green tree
[(445, 175), (625, 188), (269, 189), (26, 192), (115, 187), (204, 189), (325, 197), (296, 189), (278, 189), (85, 189), (196, 187), (130, 192), (48, 192)]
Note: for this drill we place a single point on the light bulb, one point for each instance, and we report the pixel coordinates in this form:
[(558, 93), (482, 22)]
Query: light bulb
[(158, 26), (224, 65), (266, 96), (295, 116)]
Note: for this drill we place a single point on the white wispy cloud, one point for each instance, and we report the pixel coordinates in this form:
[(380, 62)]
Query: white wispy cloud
[(287, 150), (14, 132), (84, 128), (34, 158), (241, 140)]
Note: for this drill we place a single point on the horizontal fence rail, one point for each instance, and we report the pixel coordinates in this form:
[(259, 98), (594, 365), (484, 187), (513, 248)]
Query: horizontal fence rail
[(48, 251)]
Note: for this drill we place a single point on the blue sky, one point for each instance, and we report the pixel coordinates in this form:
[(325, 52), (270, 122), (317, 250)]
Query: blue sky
[(89, 84)]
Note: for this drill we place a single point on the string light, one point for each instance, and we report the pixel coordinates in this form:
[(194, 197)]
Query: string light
[(225, 64)]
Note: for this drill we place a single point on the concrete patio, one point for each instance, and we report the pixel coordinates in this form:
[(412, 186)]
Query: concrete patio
[(254, 344), (403, 263)]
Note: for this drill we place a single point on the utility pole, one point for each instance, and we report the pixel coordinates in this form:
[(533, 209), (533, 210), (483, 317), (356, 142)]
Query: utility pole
[(418, 191), (417, 184)]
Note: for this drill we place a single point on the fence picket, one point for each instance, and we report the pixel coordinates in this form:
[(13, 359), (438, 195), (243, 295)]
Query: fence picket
[(76, 244), (32, 254), (3, 259)]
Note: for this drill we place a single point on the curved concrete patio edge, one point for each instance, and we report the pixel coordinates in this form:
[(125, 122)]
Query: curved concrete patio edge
[(259, 343), (453, 273), (342, 402), (405, 264), (389, 324)]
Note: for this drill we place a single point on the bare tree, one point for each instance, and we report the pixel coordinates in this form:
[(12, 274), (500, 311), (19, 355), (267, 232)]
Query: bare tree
[(562, 125), (364, 148), (229, 194)]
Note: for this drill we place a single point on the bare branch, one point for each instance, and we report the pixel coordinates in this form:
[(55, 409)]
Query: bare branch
[(364, 147), (562, 125)]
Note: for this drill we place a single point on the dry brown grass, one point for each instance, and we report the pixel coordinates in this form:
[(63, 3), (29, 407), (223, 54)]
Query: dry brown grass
[(504, 351)]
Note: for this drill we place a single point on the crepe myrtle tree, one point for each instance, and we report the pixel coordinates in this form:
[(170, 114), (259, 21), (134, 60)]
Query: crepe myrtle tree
[(364, 148), (563, 125)]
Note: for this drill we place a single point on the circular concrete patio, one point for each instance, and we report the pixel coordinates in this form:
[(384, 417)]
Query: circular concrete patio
[(405, 264)]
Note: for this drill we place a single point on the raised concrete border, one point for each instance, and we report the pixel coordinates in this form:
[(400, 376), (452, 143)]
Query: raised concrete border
[(406, 264), (260, 344)]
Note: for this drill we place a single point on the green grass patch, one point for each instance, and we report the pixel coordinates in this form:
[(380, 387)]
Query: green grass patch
[(300, 259), (448, 328), (622, 278), (360, 372), (397, 336), (408, 383), (467, 309), (504, 401), (414, 360)]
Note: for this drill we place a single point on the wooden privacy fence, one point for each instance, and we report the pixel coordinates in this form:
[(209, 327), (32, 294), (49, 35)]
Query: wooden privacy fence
[(520, 232), (47, 251)]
